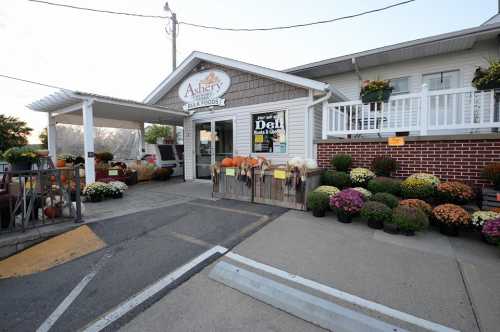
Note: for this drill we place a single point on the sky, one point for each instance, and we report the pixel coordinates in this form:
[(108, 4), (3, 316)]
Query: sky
[(127, 57)]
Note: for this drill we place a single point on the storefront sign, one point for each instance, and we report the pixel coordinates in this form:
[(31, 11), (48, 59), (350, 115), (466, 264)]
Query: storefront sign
[(396, 141), (113, 172), (279, 174), (269, 132), (204, 89), (230, 172)]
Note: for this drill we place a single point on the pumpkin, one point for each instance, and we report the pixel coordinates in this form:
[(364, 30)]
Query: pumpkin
[(238, 160), (50, 212), (227, 162), (61, 163), (52, 178), (63, 178), (252, 161)]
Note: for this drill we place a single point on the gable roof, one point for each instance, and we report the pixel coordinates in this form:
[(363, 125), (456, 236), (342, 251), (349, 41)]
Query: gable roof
[(434, 45), (196, 57)]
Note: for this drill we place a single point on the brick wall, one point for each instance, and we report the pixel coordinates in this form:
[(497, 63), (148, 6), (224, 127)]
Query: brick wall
[(461, 158)]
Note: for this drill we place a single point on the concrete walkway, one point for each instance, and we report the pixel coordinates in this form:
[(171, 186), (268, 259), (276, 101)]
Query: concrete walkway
[(449, 281)]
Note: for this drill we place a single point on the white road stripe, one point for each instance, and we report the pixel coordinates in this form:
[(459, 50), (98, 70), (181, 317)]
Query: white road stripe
[(148, 292), (64, 305), (343, 295)]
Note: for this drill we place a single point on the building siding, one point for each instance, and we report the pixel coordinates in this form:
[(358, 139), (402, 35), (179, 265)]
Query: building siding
[(465, 61), (246, 89)]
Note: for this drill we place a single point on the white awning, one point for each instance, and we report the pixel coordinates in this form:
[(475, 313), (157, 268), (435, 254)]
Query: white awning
[(66, 107)]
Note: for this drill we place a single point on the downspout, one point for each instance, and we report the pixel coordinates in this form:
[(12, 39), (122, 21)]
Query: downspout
[(309, 138)]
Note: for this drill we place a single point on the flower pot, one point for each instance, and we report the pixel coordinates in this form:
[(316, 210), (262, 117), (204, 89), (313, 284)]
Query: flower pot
[(375, 96), (407, 232), (20, 166), (448, 230), (488, 239), (344, 217), (391, 228), (375, 224), (318, 213), (118, 195)]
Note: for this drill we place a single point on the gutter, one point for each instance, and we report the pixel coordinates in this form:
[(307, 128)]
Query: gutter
[(309, 137)]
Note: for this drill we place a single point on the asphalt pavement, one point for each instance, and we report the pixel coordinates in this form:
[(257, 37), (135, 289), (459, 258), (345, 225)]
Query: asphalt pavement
[(141, 248)]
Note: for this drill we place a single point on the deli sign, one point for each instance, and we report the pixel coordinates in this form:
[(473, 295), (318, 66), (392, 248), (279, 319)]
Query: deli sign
[(204, 89)]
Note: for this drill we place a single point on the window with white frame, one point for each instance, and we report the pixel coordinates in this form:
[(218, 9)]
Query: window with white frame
[(442, 81), (400, 85)]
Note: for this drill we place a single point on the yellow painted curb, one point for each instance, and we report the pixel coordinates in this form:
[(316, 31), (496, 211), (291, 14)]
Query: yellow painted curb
[(55, 251)]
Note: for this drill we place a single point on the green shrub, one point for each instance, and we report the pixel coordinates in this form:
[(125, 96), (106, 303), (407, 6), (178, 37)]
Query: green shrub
[(318, 200), (385, 185), (384, 165), (385, 198), (410, 218), (417, 188), (23, 154), (104, 156), (330, 190), (376, 211), (340, 180), (342, 162)]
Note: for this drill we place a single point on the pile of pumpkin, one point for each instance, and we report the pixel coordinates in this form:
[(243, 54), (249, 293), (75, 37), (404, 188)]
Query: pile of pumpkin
[(238, 161)]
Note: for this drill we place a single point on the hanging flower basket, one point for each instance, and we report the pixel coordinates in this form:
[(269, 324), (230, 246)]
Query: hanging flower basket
[(376, 91)]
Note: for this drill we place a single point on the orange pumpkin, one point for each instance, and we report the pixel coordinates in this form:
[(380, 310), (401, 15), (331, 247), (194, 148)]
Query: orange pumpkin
[(238, 160), (63, 178), (252, 161), (52, 178), (227, 162), (61, 163), (50, 212)]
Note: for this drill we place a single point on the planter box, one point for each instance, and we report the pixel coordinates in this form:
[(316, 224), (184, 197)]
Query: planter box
[(228, 186), (491, 198), (271, 190)]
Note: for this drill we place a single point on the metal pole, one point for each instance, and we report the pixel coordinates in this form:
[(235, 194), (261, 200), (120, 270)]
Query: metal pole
[(78, 199), (174, 41)]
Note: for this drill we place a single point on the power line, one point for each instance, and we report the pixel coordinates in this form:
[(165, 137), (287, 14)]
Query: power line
[(32, 82), (201, 26), (297, 25)]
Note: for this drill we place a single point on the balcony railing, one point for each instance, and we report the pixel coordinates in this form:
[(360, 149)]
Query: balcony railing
[(418, 113)]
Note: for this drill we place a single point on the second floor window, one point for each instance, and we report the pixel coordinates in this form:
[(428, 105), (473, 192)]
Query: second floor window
[(441, 81), (400, 85)]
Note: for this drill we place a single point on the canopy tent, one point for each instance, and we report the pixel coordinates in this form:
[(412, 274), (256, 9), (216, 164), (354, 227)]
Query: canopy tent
[(92, 110)]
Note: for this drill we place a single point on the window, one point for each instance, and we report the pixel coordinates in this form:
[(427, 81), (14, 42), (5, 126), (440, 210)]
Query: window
[(400, 85), (269, 132), (441, 81)]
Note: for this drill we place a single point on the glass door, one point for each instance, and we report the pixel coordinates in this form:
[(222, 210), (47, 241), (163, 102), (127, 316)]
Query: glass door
[(214, 142), (203, 148)]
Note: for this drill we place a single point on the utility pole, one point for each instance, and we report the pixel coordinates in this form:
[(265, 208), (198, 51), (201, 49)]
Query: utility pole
[(173, 29)]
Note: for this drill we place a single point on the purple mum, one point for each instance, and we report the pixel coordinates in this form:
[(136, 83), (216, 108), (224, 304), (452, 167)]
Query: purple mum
[(491, 228), (348, 201)]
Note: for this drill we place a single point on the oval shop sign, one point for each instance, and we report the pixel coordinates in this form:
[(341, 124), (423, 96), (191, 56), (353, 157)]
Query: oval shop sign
[(204, 89)]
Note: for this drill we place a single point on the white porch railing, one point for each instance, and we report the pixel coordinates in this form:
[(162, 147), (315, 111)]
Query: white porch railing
[(455, 109)]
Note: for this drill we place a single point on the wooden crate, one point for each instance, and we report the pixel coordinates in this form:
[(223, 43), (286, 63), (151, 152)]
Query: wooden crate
[(274, 191), (228, 186), (491, 198)]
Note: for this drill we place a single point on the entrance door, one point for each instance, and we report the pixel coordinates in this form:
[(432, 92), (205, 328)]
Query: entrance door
[(214, 142)]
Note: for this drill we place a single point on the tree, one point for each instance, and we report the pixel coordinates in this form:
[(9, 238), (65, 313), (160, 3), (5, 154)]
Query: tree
[(13, 132), (44, 138), (153, 132)]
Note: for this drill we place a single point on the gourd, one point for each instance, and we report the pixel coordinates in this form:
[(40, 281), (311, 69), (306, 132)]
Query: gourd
[(227, 162)]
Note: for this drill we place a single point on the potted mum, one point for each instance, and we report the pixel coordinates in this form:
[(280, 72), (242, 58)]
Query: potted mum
[(480, 218), (318, 201), (20, 158), (376, 91), (454, 192), (409, 219), (346, 204), (450, 217), (117, 188), (376, 214), (491, 231), (97, 191), (360, 176)]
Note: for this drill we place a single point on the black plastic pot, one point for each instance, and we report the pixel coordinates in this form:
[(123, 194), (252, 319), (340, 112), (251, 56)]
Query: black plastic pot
[(318, 213), (488, 240), (391, 228), (344, 218), (449, 230), (375, 224), (20, 166), (407, 232)]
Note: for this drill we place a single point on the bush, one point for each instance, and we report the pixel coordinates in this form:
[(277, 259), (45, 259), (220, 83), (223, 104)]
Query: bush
[(366, 193), (117, 188), (491, 230), (480, 217), (451, 214), (342, 162), (98, 191), (429, 178), (318, 200), (454, 192), (376, 211), (360, 176), (384, 165), (410, 218), (417, 188), (340, 180), (385, 198), (417, 203), (348, 201), (330, 190), (162, 174), (385, 185), (492, 173)]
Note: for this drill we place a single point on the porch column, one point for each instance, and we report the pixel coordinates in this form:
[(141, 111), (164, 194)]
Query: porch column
[(88, 141), (142, 140), (52, 137)]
